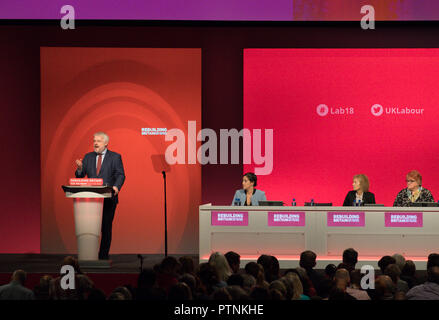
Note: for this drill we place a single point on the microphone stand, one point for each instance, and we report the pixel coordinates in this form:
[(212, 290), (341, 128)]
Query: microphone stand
[(141, 261), (166, 215)]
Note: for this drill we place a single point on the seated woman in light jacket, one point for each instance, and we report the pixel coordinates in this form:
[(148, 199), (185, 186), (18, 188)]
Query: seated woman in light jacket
[(248, 195)]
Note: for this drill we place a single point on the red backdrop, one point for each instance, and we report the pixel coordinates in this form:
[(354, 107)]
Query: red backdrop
[(316, 156), (120, 91)]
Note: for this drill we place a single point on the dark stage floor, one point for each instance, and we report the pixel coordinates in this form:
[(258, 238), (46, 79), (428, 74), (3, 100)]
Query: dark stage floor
[(51, 263)]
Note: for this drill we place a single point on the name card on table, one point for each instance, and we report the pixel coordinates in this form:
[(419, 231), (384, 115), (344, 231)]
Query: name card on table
[(286, 219), (229, 218), (403, 219), (86, 182), (346, 219)]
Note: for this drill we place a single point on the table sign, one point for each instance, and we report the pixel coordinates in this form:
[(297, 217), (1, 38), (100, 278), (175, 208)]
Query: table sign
[(286, 219), (345, 219), (403, 219), (229, 218)]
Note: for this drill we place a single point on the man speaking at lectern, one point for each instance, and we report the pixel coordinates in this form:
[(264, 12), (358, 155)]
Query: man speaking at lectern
[(107, 165)]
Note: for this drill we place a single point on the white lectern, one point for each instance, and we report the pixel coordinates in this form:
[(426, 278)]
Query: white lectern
[(88, 202)]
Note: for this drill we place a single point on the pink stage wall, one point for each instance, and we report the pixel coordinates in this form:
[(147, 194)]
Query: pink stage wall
[(316, 156)]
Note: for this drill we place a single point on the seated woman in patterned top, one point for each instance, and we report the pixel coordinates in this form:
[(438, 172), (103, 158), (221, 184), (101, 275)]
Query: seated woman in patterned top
[(414, 191)]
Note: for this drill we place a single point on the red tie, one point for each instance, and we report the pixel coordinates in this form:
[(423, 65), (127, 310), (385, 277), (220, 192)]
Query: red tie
[(98, 168)]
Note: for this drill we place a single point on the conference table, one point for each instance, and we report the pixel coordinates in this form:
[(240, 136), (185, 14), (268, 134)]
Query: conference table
[(285, 232)]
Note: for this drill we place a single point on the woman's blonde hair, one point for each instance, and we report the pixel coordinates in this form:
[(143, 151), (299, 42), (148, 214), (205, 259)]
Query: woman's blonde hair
[(219, 262), (297, 285), (364, 181)]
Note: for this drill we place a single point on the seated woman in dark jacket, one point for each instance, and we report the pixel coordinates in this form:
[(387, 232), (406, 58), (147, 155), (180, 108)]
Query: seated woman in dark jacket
[(414, 191), (361, 193)]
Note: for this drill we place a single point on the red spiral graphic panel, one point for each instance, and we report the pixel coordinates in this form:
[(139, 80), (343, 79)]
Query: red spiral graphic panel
[(120, 91)]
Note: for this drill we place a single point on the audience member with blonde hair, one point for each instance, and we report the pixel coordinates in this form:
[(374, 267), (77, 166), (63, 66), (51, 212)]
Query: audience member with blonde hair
[(297, 286), (219, 262)]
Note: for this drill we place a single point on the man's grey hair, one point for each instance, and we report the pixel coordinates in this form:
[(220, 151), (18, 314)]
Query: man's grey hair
[(400, 260), (102, 134)]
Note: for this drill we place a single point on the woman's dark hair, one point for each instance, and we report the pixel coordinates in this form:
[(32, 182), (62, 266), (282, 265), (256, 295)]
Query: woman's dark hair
[(330, 270), (409, 269), (208, 276), (252, 268), (169, 265), (271, 267), (385, 261), (252, 178), (187, 265)]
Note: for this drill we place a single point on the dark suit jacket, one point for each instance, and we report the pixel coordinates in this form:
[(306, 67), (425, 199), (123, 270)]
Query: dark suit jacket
[(111, 169), (368, 197), (15, 291)]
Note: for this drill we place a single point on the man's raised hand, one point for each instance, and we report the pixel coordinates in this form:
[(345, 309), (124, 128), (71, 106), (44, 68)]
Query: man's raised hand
[(79, 164)]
